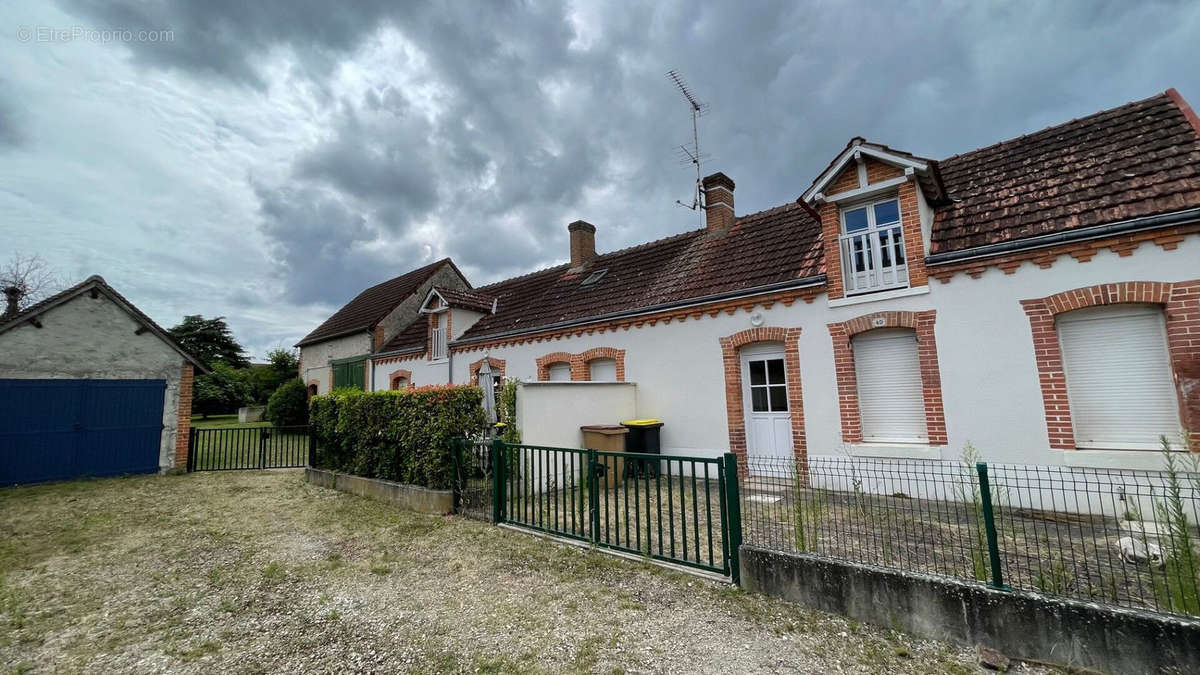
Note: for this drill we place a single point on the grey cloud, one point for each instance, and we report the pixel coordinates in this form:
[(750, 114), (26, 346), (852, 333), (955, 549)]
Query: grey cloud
[(538, 112)]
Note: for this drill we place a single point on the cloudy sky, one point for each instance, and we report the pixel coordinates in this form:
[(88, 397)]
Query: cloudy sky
[(267, 160)]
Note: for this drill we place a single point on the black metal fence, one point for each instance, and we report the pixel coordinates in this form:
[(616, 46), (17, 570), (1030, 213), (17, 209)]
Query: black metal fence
[(1124, 538), (258, 447), (473, 477)]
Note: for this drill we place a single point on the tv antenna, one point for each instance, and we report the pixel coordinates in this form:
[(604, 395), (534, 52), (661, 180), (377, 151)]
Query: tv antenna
[(690, 153)]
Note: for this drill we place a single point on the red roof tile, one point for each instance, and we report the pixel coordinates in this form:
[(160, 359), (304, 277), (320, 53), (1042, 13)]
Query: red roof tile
[(370, 306), (1139, 159), (771, 247), (475, 302)]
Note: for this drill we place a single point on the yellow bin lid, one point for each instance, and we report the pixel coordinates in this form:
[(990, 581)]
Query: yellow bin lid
[(642, 423)]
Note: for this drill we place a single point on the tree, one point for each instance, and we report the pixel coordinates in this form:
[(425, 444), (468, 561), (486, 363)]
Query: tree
[(282, 365), (289, 404), (209, 340), (224, 390), (31, 276)]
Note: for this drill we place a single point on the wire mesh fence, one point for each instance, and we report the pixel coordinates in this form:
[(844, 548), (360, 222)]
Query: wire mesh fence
[(1124, 538)]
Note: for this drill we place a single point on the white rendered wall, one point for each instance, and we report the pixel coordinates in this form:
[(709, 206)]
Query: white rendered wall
[(985, 351), (86, 338), (315, 358), (551, 413)]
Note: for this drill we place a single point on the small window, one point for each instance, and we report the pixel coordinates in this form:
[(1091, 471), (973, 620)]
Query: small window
[(594, 277), (891, 402), (602, 370), (872, 247), (560, 372), (768, 386), (399, 383)]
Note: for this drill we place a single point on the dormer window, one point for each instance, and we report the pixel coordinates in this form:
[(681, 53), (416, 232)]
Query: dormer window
[(872, 247)]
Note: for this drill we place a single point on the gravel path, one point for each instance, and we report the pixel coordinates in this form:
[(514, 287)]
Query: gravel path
[(260, 572)]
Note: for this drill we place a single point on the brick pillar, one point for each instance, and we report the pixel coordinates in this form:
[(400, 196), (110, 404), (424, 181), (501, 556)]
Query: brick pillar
[(184, 422)]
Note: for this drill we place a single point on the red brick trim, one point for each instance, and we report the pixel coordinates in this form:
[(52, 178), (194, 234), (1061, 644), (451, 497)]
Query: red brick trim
[(544, 363), (496, 364), (1181, 309), (396, 375), (1082, 251), (579, 362), (931, 379), (734, 408), (590, 355), (910, 219), (183, 424), (377, 338)]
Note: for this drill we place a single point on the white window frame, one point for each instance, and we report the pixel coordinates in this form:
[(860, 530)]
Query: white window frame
[(874, 278), (439, 348)]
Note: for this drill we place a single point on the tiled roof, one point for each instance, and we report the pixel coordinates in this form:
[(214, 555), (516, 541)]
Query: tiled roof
[(98, 283), (771, 247), (475, 302), (370, 306), (1140, 159), (410, 338)]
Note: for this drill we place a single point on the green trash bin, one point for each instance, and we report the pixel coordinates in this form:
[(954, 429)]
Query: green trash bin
[(643, 437)]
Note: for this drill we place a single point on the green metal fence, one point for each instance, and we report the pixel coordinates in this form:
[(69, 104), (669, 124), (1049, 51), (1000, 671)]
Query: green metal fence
[(1117, 537), (683, 510)]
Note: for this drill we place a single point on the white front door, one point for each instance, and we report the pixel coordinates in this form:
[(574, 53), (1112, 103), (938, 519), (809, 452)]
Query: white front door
[(765, 400)]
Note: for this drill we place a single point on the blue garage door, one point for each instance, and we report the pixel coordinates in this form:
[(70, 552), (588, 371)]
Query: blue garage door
[(61, 429)]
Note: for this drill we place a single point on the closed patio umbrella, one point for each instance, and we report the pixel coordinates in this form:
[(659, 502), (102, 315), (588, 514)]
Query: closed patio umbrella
[(489, 391)]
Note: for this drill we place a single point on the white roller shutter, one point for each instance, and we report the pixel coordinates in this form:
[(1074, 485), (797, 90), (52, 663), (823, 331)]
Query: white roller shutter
[(1119, 380), (602, 370), (890, 401), (560, 372)]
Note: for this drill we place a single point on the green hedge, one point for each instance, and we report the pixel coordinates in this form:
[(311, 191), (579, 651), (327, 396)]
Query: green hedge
[(402, 436)]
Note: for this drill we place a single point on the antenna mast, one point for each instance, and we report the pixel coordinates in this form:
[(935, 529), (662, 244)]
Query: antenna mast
[(691, 154)]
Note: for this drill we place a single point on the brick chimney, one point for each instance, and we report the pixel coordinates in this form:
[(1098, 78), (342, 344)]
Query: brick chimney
[(583, 243), (718, 202), (13, 295)]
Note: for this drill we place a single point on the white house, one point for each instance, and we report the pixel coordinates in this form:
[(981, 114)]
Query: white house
[(1039, 298)]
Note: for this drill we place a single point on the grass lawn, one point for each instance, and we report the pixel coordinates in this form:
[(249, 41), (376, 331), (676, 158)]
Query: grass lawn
[(218, 421), (260, 572)]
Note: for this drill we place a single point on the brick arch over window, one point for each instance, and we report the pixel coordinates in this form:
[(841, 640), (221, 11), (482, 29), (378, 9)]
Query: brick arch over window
[(734, 408), (1180, 302), (579, 362), (396, 375), (580, 366), (544, 363), (847, 380), (497, 366), (313, 387)]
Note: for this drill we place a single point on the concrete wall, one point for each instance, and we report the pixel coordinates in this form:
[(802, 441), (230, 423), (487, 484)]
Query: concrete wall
[(315, 358), (86, 338), (411, 497), (550, 413), (985, 350), (1019, 624)]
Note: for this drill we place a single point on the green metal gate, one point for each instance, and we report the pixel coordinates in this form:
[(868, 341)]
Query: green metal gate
[(683, 510)]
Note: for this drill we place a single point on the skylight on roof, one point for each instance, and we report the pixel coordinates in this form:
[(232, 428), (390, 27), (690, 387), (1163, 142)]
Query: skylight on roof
[(594, 277)]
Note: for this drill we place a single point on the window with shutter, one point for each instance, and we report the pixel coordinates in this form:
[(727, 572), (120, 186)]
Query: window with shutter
[(890, 397), (560, 372), (1118, 372)]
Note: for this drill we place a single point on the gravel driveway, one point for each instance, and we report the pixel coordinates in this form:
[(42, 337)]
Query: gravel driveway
[(261, 572)]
